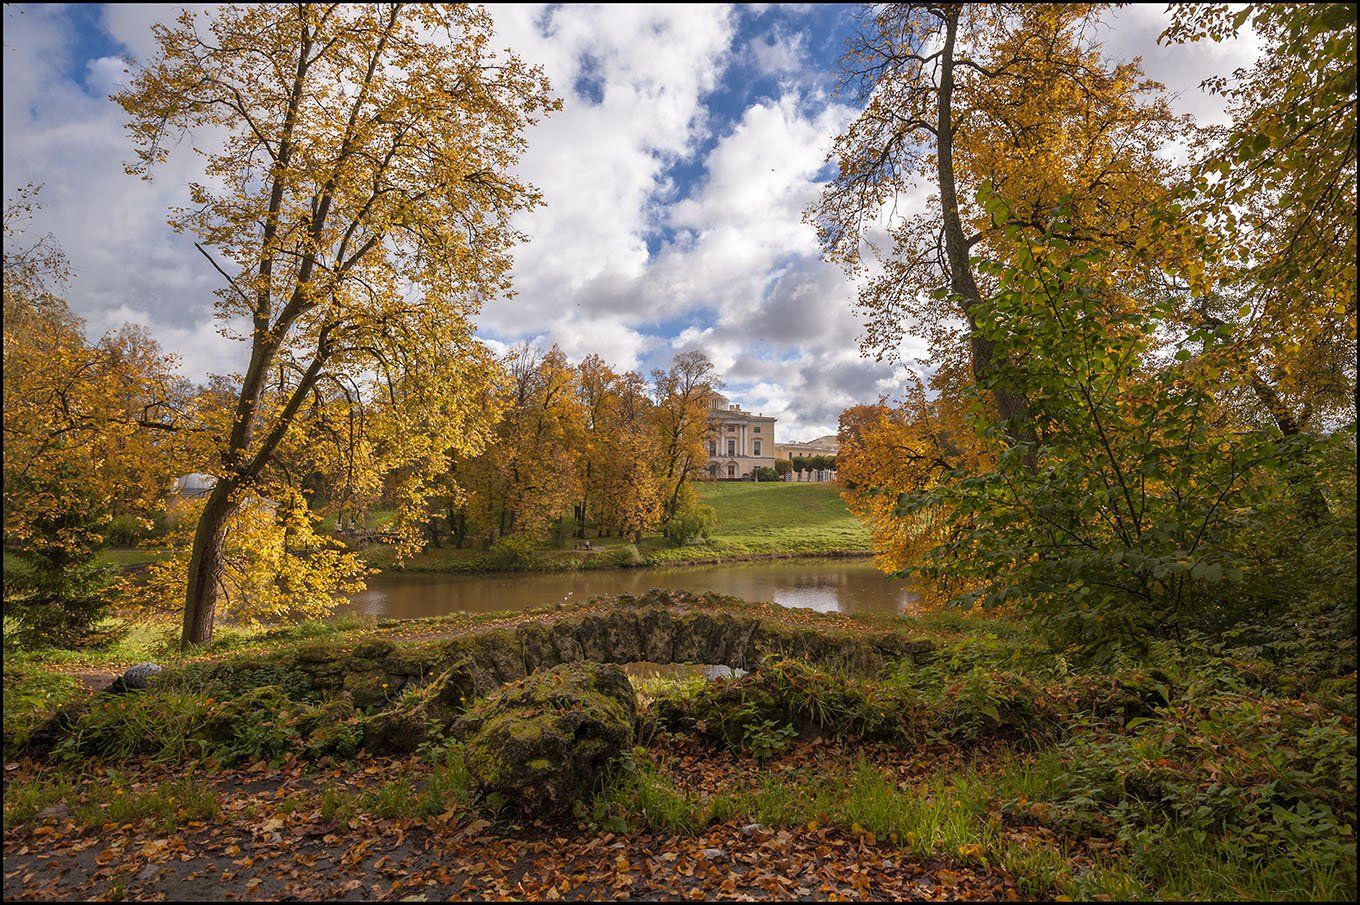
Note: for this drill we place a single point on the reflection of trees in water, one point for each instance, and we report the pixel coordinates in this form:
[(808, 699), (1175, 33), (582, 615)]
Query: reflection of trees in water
[(852, 586)]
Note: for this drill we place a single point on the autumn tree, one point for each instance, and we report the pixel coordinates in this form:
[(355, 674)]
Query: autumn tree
[(358, 208), (539, 442), (683, 395), (600, 402), (1277, 187), (528, 475), (959, 95), (621, 481), (890, 454), (88, 435)]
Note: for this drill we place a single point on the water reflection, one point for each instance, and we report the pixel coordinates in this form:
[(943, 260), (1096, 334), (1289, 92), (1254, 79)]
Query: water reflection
[(827, 585)]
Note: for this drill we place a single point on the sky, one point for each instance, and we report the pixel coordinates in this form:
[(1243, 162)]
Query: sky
[(690, 142)]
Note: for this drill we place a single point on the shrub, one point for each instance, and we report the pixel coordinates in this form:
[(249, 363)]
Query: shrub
[(627, 555), (127, 530), (1264, 781), (691, 524), (516, 552), (1129, 520)]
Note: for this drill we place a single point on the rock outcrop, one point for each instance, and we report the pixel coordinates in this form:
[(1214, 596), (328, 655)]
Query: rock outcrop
[(541, 744), (406, 692)]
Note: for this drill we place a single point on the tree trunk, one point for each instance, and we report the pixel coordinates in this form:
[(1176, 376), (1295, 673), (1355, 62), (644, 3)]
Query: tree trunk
[(1308, 496), (205, 567), (1012, 406)]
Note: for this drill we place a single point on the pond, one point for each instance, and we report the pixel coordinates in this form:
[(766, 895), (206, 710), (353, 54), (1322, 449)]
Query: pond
[(828, 585)]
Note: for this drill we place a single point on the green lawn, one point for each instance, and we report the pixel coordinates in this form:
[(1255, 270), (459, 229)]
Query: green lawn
[(754, 520), (783, 514), (117, 557)]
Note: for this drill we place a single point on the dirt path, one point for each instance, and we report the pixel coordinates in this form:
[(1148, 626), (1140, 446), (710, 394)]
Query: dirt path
[(392, 862), (277, 833)]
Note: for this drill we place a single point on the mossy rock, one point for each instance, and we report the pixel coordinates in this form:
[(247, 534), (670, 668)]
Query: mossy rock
[(421, 714), (331, 728), (542, 744), (225, 718), (722, 710), (372, 688)]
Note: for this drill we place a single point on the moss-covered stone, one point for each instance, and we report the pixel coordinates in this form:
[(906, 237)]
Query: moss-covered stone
[(421, 714), (375, 674), (371, 687), (225, 719), (542, 744), (331, 728)]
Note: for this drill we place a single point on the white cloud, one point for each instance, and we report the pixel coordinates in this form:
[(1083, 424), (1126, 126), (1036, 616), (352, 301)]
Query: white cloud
[(1132, 30), (127, 264), (779, 52)]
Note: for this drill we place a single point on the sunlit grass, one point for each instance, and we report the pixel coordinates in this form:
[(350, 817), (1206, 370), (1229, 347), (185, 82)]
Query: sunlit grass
[(753, 520)]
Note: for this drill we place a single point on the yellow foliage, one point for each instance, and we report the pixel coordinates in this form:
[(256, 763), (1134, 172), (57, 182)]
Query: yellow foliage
[(274, 565), (888, 451), (359, 209)]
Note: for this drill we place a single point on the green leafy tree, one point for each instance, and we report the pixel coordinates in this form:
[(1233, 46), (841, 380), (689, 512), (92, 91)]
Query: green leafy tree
[(1126, 528)]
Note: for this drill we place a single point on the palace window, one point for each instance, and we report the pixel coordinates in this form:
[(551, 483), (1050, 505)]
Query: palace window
[(756, 428), (731, 428), (731, 447), (731, 470), (757, 447)]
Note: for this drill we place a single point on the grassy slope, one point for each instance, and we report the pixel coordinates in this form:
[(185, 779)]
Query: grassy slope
[(784, 514), (771, 519), (754, 520)]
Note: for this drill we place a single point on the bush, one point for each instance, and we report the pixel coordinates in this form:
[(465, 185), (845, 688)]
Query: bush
[(127, 531), (1264, 780), (516, 552), (691, 524), (1131, 520), (766, 474), (627, 555)]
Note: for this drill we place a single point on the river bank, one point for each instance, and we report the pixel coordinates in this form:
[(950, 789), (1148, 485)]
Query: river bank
[(610, 553), (754, 522), (826, 584)]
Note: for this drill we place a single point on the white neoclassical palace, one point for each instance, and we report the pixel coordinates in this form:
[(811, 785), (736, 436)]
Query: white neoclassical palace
[(738, 441)]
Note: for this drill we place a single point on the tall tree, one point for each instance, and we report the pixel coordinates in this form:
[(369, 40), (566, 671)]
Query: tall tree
[(359, 210), (88, 435), (1277, 187), (621, 467), (683, 395), (957, 96)]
